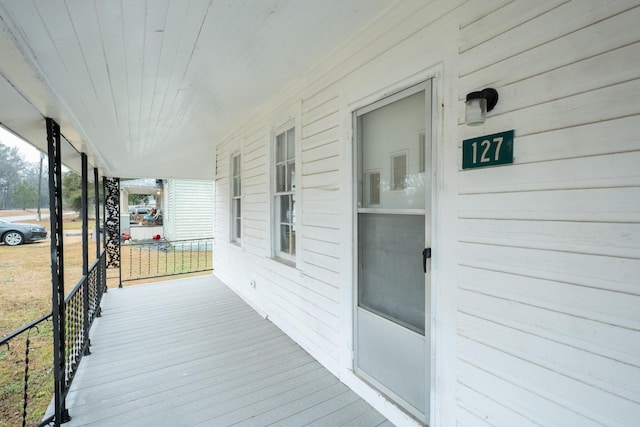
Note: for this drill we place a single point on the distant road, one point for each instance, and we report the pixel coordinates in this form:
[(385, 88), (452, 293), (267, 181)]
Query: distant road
[(30, 217)]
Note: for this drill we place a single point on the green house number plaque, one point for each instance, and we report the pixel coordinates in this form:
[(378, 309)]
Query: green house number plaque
[(488, 150)]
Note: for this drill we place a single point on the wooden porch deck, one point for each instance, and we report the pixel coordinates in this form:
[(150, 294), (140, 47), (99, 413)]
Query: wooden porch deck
[(190, 352)]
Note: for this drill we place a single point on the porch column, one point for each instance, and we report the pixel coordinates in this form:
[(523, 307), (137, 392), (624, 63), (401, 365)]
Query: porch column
[(96, 192), (84, 211), (57, 273), (112, 224)]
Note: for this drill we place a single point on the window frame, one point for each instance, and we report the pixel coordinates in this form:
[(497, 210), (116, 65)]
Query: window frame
[(235, 199), (292, 191)]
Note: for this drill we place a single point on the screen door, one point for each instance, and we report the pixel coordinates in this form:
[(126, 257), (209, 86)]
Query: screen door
[(393, 230)]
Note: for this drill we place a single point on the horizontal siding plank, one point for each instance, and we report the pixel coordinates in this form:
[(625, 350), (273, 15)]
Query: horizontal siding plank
[(323, 234), (479, 9), (614, 274), (255, 150), (486, 407), (330, 150), (616, 240), (603, 104), (602, 305), (319, 323), (257, 180), (328, 206), (318, 194), (565, 19), (324, 220), (591, 403), (598, 338), (502, 20), (321, 125), (323, 290), (328, 164), (605, 171), (575, 78), (255, 189), (326, 248), (513, 393), (331, 135), (254, 244), (320, 180), (322, 274), (588, 205), (328, 95), (609, 137), (329, 262), (321, 111), (614, 377)]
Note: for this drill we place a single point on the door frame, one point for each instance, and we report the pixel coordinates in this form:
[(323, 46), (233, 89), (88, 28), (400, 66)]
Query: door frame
[(363, 107)]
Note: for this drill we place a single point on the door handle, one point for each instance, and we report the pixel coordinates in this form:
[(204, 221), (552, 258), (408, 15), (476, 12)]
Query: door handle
[(426, 253)]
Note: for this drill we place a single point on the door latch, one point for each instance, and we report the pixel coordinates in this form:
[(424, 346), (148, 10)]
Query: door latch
[(426, 253)]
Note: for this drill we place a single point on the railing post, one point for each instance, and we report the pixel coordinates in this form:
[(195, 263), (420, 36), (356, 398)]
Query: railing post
[(57, 273), (84, 208), (112, 224), (96, 191)]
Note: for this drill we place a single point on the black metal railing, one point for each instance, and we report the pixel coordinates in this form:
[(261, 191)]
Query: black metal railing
[(79, 313), (79, 316), (26, 370), (160, 258)]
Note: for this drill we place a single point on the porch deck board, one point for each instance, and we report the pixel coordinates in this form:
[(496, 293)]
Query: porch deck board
[(190, 352)]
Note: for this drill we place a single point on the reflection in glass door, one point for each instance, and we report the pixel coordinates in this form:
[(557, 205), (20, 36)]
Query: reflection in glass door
[(394, 193)]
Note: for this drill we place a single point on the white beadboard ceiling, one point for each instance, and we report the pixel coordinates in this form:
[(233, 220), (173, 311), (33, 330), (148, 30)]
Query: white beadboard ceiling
[(148, 87)]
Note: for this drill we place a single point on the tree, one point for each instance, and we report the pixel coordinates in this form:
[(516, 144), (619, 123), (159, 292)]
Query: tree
[(72, 191), (12, 171), (138, 199), (24, 195)]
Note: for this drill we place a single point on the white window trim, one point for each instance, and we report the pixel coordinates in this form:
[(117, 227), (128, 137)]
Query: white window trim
[(232, 214), (275, 195), (290, 118)]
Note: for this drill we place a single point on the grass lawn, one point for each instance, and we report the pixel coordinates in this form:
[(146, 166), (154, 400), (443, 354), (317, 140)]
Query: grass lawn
[(25, 295)]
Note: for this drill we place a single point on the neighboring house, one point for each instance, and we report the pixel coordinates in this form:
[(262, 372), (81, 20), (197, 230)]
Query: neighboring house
[(188, 209)]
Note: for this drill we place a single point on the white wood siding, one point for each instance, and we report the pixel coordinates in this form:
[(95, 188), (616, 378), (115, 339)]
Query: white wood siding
[(535, 296), (190, 205), (549, 248)]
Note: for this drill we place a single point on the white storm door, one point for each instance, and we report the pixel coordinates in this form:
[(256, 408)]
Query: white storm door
[(393, 231)]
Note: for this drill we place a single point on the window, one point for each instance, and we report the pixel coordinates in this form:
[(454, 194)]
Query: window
[(399, 171), (373, 185), (284, 196), (236, 199)]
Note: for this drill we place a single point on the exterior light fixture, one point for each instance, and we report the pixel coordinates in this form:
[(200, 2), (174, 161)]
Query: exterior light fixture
[(477, 105)]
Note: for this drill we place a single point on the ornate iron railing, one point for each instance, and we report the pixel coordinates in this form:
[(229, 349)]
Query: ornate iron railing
[(13, 351), (76, 342), (77, 312), (160, 258)]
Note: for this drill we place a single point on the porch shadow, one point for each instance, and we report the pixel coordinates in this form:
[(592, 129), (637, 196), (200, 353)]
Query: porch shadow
[(191, 352)]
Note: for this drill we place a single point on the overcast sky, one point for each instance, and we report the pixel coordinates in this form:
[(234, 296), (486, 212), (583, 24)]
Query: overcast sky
[(29, 153)]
